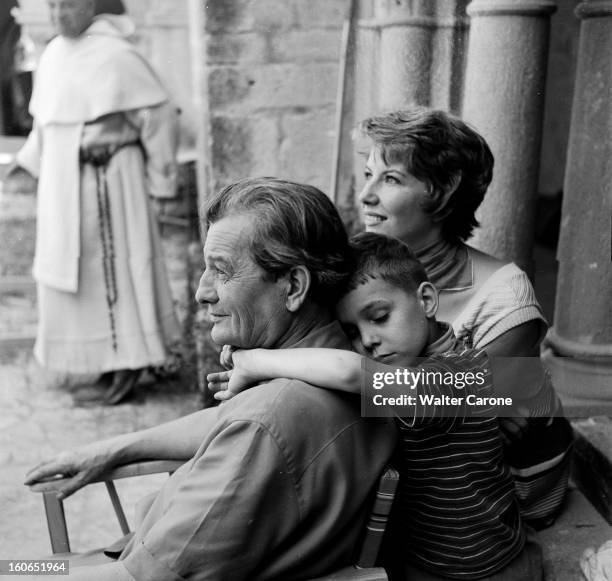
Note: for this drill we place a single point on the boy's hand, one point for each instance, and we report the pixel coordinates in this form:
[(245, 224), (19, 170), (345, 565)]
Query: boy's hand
[(226, 384), (226, 356), (242, 373)]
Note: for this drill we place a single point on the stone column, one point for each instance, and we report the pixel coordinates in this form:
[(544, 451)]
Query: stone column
[(408, 52), (418, 54), (504, 100), (580, 342), (406, 36)]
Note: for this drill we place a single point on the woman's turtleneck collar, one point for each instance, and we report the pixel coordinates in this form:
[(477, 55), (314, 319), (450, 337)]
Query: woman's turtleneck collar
[(448, 266), (445, 341)]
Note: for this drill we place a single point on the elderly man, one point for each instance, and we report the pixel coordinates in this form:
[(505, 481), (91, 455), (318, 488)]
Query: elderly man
[(104, 140), (278, 478)]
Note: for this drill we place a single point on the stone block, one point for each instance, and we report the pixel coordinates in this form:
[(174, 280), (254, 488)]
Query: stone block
[(164, 12), (231, 148), (242, 90), (321, 13), (243, 147), (578, 527), (272, 14), (248, 15), (265, 144), (227, 15), (592, 468), (228, 85), (306, 149), (248, 47), (307, 46)]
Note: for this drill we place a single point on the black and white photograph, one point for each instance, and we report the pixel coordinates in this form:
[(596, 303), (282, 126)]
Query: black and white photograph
[(311, 290)]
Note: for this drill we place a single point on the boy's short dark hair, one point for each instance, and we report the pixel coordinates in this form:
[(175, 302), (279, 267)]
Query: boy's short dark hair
[(445, 153), (376, 256)]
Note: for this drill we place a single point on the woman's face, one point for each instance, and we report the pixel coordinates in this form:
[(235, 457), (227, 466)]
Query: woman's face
[(391, 203)]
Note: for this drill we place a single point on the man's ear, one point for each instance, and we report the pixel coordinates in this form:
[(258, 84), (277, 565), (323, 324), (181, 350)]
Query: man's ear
[(298, 284), (428, 298)]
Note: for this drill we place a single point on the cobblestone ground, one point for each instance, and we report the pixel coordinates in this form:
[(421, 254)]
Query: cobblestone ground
[(37, 420)]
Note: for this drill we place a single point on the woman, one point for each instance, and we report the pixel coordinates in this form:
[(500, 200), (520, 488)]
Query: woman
[(426, 174)]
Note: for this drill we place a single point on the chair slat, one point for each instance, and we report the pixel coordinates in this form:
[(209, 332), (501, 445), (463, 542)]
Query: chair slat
[(377, 521), (112, 492), (56, 521)]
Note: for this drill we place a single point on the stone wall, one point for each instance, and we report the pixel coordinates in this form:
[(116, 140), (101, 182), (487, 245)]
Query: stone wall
[(272, 68)]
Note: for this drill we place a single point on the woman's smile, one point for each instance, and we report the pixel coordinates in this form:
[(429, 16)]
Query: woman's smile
[(392, 202)]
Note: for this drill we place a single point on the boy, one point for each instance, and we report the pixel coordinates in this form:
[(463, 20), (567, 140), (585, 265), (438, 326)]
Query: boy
[(455, 515)]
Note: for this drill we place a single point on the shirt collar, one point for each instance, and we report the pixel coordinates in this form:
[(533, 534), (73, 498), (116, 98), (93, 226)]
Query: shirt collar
[(328, 335)]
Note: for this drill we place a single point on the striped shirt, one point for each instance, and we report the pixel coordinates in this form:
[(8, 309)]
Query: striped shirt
[(455, 513)]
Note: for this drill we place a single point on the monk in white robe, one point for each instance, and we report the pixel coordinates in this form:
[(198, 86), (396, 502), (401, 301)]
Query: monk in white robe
[(104, 141)]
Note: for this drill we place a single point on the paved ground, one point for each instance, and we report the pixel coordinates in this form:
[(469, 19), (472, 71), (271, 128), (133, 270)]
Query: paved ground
[(38, 420), (579, 527)]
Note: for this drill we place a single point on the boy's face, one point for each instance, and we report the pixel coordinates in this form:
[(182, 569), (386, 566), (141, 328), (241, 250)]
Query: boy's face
[(386, 323)]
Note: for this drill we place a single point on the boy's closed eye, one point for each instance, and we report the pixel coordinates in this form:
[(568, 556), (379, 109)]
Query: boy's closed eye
[(379, 318)]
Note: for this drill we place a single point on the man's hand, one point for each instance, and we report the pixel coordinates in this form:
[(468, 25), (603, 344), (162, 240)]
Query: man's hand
[(80, 466)]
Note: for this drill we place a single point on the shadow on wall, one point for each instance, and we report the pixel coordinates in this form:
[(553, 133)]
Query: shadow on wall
[(548, 219)]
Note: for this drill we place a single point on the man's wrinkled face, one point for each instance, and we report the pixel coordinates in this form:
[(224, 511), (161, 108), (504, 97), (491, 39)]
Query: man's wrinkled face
[(247, 308), (71, 17)]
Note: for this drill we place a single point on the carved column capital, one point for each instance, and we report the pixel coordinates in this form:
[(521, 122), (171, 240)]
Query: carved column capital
[(511, 8), (594, 9)]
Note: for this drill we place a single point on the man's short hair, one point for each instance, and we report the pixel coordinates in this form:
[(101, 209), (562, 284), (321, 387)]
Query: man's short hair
[(293, 224), (445, 153), (374, 256)]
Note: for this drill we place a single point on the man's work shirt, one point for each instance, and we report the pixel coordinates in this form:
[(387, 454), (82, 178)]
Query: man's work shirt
[(277, 490)]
